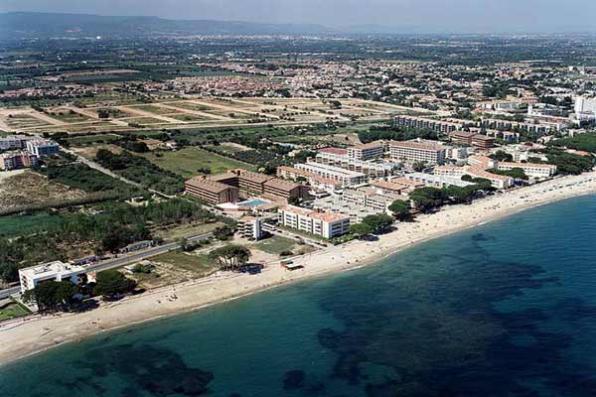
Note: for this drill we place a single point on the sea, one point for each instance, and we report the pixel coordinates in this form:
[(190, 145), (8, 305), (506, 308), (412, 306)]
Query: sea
[(505, 309)]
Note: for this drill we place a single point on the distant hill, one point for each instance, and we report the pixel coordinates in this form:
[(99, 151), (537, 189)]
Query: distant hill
[(32, 24)]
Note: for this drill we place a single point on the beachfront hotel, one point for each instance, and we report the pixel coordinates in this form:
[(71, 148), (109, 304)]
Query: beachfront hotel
[(475, 171), (323, 224), (418, 150), (31, 277)]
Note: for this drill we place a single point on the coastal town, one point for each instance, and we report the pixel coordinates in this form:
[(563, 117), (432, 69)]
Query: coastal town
[(135, 190)]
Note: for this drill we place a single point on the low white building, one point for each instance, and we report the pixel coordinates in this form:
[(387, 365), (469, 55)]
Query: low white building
[(323, 224), (32, 276)]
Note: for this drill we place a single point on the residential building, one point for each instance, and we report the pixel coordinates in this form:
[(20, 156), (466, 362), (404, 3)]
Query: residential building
[(15, 160), (444, 127), (368, 151), (337, 174), (42, 147), (530, 169), (284, 189), (469, 138), (314, 180), (13, 142), (210, 191), (255, 184), (31, 277), (323, 224), (370, 168), (439, 181), (251, 228), (418, 150), (475, 171)]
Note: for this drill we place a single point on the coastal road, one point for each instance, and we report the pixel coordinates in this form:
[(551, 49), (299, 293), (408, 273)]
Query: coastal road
[(124, 260)]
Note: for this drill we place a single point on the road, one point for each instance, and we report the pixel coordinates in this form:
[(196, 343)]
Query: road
[(124, 259)]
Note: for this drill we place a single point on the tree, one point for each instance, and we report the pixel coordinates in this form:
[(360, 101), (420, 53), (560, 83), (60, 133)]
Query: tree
[(51, 295), (428, 198), (379, 223), (419, 166), (500, 155), (111, 283), (223, 233), (360, 229), (401, 210), (230, 256)]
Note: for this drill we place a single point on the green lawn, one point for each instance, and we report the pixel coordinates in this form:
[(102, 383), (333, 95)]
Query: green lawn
[(187, 161), (275, 245), (199, 264), (11, 311)]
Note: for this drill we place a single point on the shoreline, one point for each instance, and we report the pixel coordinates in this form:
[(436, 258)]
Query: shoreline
[(22, 338)]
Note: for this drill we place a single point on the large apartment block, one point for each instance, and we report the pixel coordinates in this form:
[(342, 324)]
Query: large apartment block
[(337, 174), (418, 150), (443, 127), (472, 139), (370, 168), (321, 224), (254, 184), (211, 192)]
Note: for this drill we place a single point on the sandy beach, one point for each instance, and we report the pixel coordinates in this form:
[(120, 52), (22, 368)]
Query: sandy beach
[(22, 337)]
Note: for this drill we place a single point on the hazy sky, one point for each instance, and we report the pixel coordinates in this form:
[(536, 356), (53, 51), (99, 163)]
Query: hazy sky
[(427, 15)]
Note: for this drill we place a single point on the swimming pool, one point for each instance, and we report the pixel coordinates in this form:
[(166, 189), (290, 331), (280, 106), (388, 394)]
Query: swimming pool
[(252, 203)]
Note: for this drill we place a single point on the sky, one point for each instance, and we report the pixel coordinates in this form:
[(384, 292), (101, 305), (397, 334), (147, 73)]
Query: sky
[(465, 16)]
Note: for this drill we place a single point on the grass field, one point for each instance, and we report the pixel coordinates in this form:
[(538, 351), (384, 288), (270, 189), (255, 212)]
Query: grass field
[(13, 225), (86, 140), (11, 311), (275, 245), (199, 264), (187, 161), (187, 231)]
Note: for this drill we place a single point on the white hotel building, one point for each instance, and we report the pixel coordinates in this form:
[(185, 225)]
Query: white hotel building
[(32, 276), (323, 224)]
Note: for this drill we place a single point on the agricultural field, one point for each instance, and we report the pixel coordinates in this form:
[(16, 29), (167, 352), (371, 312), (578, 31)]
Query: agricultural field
[(187, 162), (89, 114)]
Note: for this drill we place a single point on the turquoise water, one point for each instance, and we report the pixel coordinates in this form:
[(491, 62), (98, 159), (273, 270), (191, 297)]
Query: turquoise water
[(252, 203), (506, 309)]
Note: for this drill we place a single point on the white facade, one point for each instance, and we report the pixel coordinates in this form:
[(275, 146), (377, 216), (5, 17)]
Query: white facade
[(340, 175), (418, 150), (321, 224), (57, 271)]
